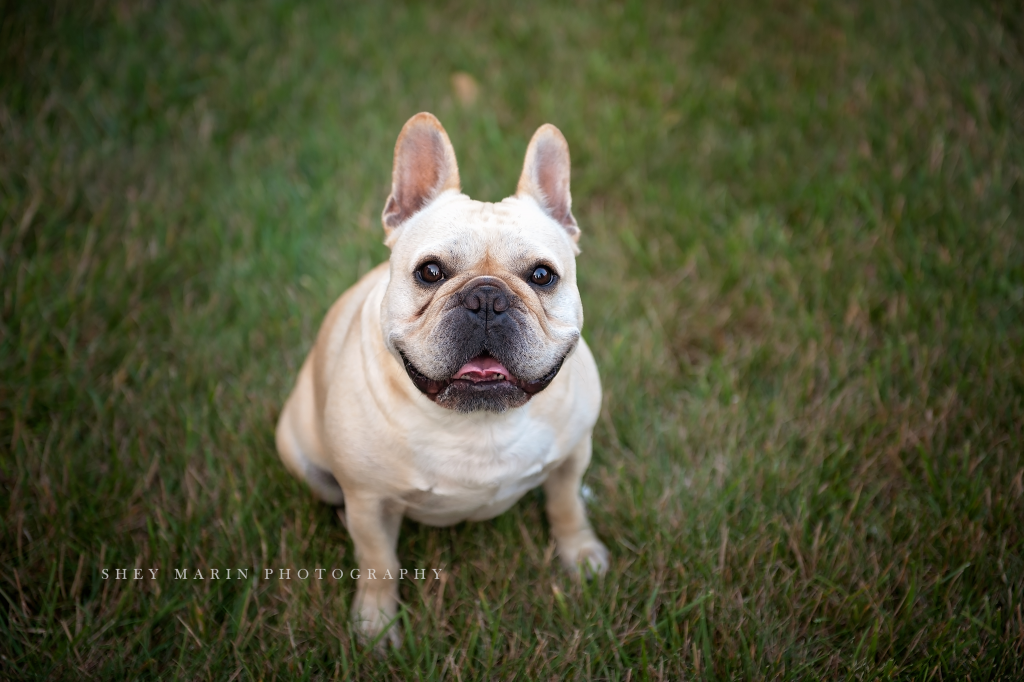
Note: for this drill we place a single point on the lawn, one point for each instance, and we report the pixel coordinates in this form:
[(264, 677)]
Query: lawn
[(802, 271)]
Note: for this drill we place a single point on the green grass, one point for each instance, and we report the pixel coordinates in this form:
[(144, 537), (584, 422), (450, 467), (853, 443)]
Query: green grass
[(803, 277)]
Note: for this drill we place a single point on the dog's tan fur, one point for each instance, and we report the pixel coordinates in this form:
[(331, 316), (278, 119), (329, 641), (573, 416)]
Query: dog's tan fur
[(358, 430)]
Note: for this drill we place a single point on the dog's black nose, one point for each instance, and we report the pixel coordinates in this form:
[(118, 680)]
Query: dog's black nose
[(486, 300)]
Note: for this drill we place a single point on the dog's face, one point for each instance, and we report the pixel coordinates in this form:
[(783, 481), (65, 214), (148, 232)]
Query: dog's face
[(482, 306)]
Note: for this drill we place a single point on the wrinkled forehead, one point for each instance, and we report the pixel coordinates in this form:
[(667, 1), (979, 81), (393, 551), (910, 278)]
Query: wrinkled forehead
[(463, 232)]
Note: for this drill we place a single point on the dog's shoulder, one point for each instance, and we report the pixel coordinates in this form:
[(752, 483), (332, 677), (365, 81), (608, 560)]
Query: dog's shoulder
[(342, 319)]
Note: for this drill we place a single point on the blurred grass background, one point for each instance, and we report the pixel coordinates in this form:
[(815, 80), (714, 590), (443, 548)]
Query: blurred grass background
[(803, 280)]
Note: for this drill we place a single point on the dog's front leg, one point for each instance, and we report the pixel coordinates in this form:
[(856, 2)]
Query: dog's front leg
[(578, 547), (373, 523)]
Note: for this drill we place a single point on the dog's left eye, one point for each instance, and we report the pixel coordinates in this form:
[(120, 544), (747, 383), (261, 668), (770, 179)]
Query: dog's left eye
[(542, 276), (430, 273)]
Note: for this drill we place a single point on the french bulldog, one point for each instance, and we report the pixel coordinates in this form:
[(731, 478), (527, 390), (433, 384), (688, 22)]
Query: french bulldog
[(452, 379)]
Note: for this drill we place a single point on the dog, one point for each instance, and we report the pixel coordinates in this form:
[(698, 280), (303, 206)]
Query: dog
[(452, 379)]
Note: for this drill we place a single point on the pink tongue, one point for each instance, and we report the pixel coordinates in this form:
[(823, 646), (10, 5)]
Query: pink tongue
[(482, 369)]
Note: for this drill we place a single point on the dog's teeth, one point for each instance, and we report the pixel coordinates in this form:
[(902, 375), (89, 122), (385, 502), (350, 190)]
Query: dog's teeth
[(501, 377)]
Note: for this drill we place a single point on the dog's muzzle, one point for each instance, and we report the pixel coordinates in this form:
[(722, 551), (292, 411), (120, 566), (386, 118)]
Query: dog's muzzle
[(486, 319)]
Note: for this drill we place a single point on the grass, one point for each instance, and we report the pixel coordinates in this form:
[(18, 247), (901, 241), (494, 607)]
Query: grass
[(803, 277)]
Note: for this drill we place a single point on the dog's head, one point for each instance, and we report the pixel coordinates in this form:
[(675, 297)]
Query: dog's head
[(482, 307)]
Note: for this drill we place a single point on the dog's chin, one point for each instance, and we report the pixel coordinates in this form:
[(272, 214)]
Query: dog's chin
[(479, 389), (490, 396)]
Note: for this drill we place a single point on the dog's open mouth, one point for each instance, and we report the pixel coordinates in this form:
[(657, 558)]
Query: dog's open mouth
[(482, 368), (480, 376)]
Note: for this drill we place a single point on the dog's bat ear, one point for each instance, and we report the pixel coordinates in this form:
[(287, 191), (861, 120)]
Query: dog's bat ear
[(545, 177), (424, 167)]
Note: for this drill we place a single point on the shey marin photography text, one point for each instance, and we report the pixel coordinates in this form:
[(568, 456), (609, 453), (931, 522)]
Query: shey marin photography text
[(266, 573)]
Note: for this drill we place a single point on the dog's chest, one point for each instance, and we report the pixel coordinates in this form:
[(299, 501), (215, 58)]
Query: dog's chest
[(478, 473)]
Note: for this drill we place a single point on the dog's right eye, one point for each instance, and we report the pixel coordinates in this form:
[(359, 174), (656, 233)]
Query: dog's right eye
[(430, 273)]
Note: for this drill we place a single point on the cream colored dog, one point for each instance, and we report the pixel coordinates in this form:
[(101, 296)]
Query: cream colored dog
[(451, 380)]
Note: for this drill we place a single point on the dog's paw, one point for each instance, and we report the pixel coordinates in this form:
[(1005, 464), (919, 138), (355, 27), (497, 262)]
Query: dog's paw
[(375, 624), (583, 554)]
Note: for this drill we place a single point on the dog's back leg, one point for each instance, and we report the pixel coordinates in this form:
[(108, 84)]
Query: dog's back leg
[(298, 440)]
